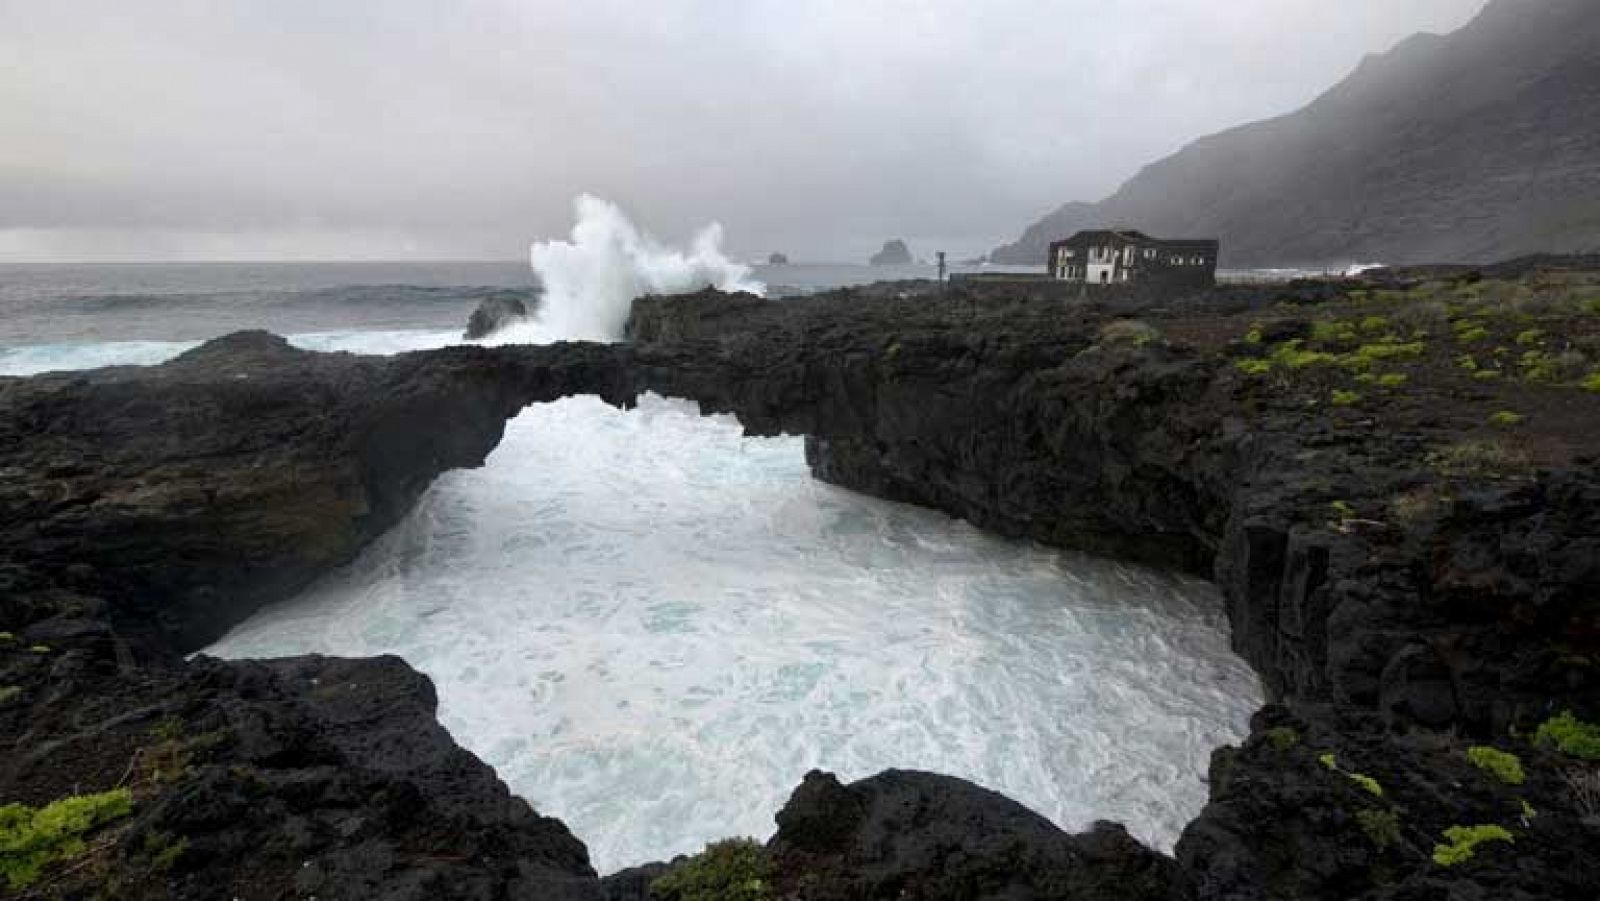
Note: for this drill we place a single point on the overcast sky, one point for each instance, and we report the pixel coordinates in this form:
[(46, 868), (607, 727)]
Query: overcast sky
[(463, 128)]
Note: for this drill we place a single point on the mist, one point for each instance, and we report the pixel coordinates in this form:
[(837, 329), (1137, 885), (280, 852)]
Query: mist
[(180, 129)]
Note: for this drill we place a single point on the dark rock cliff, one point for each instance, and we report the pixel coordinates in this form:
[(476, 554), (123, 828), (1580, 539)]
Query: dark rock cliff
[(1410, 579), (1464, 147)]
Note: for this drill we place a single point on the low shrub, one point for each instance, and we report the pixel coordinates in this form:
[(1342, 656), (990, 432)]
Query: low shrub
[(1506, 419), (731, 870), (1381, 826), (1464, 842), (33, 838), (1492, 458), (1570, 736), (1128, 333), (1502, 765)]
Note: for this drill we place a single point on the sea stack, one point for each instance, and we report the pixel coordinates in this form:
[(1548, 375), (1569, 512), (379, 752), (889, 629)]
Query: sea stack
[(894, 253)]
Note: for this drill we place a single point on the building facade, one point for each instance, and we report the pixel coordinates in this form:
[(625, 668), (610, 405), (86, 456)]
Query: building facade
[(1114, 257)]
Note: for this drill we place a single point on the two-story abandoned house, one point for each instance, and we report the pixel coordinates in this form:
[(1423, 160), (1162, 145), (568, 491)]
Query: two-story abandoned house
[(1114, 257)]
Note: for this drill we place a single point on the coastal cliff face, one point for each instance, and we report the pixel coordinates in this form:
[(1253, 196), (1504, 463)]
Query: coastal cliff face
[(1463, 147), (1392, 483), (1409, 550)]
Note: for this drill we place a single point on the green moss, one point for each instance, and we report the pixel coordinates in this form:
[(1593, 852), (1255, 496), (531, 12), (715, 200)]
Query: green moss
[(1282, 738), (1346, 398), (731, 870), (1342, 509), (1128, 332), (1253, 336), (1381, 826), (33, 838), (1486, 375), (1592, 382), (1472, 335), (1528, 812), (1367, 783), (40, 649), (1333, 331), (1368, 354), (1328, 760), (1392, 379), (1570, 736), (1291, 355), (1530, 337), (1502, 765), (1253, 367), (1374, 324), (1467, 362), (1464, 842), (7, 692), (7, 638), (1506, 419)]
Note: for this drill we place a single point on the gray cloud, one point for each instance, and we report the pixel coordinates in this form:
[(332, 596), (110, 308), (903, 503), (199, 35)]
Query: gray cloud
[(431, 128)]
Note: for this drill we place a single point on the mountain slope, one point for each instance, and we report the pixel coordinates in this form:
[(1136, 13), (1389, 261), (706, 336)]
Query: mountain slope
[(1481, 144)]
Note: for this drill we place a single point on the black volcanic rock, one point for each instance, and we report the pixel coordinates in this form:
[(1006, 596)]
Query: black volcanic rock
[(894, 253), (1409, 578), (493, 313), (1461, 148), (186, 495), (918, 835)]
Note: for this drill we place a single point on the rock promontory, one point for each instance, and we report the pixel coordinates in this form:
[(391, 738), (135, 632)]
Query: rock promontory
[(894, 253)]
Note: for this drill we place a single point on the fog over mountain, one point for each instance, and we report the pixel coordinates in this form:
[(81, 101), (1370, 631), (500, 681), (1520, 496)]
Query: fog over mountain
[(420, 128), (1471, 147)]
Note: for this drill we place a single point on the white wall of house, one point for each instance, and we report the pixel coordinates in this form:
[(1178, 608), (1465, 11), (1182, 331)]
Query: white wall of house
[(1102, 272)]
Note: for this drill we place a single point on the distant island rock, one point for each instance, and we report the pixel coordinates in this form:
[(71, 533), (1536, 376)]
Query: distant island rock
[(894, 253), (778, 259), (1464, 147)]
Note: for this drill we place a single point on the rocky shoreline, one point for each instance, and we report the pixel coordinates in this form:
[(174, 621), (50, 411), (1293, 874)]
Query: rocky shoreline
[(1409, 551)]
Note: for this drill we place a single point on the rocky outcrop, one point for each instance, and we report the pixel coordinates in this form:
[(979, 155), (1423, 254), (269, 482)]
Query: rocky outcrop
[(921, 835), (1409, 578), (494, 313), (186, 495), (1455, 148), (894, 253)]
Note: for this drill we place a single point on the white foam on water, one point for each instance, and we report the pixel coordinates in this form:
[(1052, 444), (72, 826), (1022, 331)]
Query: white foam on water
[(590, 281), (32, 359), (652, 627)]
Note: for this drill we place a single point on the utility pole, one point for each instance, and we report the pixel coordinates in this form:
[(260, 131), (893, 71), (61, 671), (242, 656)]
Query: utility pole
[(941, 268)]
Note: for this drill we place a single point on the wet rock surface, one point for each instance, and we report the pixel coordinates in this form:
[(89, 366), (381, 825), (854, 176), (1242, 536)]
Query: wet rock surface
[(494, 313)]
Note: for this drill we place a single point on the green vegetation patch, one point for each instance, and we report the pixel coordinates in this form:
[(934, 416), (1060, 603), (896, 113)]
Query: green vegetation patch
[(1570, 736), (7, 692), (732, 870), (1282, 738), (1129, 332), (1500, 764), (1381, 826), (1464, 842), (1506, 419), (1346, 398), (1592, 383), (33, 838)]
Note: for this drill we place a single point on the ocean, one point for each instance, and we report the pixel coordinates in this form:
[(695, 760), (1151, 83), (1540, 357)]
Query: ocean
[(656, 637)]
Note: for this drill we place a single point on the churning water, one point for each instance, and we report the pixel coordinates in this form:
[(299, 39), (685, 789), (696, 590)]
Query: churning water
[(652, 626)]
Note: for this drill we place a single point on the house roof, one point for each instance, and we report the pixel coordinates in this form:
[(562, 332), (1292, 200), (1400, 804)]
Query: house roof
[(1138, 237)]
